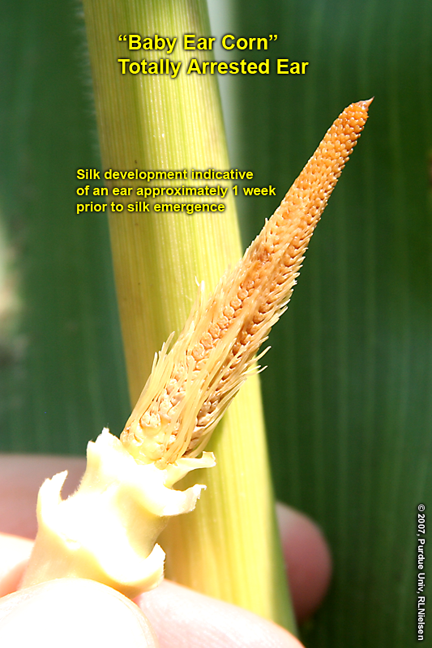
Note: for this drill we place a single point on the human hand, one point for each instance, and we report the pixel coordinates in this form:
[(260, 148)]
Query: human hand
[(80, 612)]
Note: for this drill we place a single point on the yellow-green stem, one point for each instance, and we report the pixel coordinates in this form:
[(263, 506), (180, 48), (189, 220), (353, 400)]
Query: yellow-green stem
[(228, 547)]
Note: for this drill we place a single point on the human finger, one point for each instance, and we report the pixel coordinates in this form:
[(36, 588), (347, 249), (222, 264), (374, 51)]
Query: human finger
[(70, 613), (14, 554), (307, 559), (21, 476), (183, 618)]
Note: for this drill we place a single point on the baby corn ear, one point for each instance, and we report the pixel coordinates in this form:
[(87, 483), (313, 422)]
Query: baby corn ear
[(191, 386), (108, 529)]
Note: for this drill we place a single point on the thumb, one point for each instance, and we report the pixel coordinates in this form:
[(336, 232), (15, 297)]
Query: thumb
[(70, 613)]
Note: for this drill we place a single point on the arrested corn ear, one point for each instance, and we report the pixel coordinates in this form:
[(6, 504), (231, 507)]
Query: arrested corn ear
[(191, 386), (108, 529)]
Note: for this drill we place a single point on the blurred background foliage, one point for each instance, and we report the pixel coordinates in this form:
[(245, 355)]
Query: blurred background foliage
[(348, 388)]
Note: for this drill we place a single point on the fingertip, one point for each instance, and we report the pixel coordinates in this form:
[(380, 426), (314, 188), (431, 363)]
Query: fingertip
[(196, 620), (14, 554), (73, 612), (20, 479), (307, 558)]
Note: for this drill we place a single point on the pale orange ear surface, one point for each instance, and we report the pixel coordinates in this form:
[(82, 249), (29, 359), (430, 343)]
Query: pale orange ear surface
[(192, 385)]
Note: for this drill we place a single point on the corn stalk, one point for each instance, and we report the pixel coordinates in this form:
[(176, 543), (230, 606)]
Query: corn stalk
[(228, 548)]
